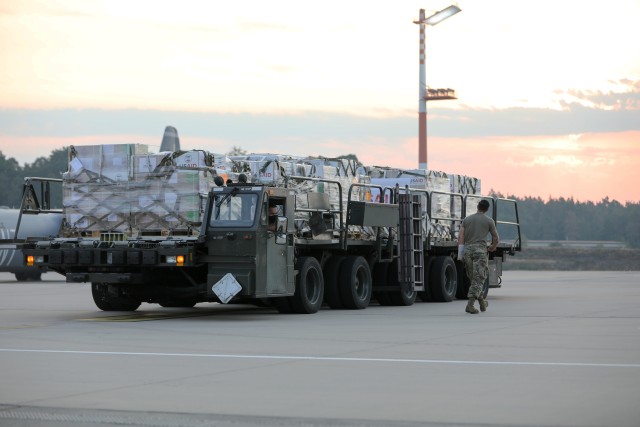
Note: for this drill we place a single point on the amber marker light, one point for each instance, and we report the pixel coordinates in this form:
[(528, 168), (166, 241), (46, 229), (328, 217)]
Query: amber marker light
[(180, 260), (30, 260)]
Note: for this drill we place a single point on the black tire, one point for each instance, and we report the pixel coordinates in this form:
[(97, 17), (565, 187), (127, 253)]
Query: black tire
[(355, 283), (426, 294), (443, 279), (21, 277), (463, 281), (282, 305), (331, 282), (402, 297), (33, 276), (106, 302), (309, 292), (379, 277)]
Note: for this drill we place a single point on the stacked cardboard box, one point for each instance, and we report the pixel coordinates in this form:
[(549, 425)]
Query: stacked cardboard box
[(124, 188), (446, 208)]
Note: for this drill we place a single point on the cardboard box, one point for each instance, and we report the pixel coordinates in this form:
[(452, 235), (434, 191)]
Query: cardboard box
[(192, 159)]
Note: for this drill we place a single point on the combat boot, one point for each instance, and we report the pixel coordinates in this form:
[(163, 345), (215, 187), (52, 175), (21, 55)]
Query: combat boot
[(470, 308), (483, 304)]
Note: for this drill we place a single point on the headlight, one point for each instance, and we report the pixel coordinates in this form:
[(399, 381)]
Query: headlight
[(175, 259), (34, 259)]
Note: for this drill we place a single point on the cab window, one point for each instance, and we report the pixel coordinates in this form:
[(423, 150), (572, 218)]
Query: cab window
[(234, 210)]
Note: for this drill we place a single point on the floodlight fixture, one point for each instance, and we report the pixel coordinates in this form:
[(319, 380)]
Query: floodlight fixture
[(440, 16)]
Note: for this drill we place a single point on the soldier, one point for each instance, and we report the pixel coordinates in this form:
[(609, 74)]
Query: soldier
[(472, 247)]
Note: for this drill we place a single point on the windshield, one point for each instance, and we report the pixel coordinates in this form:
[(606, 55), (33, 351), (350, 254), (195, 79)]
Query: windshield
[(234, 210)]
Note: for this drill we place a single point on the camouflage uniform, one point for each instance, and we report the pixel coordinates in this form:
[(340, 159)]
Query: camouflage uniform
[(476, 265), (473, 242)]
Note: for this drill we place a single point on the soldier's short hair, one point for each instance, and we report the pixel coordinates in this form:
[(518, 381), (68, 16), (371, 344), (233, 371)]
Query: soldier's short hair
[(483, 205)]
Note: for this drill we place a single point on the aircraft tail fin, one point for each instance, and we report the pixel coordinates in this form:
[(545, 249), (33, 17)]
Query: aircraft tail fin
[(170, 140)]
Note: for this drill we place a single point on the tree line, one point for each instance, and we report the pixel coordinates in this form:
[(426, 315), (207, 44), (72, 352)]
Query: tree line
[(552, 219)]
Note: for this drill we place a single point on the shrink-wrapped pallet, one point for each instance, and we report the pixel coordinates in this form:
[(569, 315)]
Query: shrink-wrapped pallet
[(102, 163), (124, 188)]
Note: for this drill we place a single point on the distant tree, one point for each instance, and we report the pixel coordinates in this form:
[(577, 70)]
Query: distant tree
[(632, 227), (51, 167), (11, 179), (236, 151)]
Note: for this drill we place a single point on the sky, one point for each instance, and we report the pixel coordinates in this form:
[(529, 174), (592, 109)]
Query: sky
[(548, 91)]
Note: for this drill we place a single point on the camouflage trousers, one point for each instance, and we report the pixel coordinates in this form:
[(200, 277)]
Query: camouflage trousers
[(476, 265)]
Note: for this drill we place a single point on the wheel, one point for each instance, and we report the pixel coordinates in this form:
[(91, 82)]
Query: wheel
[(282, 305), (402, 296), (355, 283), (309, 292), (106, 301), (463, 281), (379, 274), (426, 294), (21, 277), (443, 279), (33, 276), (331, 280)]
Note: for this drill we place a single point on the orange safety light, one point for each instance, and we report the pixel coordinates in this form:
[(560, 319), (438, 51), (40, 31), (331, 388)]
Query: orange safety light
[(30, 260), (180, 260)]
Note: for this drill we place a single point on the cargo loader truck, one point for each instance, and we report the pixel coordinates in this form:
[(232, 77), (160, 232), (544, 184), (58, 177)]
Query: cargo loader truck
[(295, 244)]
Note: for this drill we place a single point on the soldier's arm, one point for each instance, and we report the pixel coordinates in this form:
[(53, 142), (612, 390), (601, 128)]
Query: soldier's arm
[(494, 238)]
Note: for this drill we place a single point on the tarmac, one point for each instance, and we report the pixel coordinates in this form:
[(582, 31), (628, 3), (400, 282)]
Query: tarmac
[(553, 349)]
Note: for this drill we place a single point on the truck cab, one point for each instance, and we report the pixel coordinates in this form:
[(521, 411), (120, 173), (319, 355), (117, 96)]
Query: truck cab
[(250, 227)]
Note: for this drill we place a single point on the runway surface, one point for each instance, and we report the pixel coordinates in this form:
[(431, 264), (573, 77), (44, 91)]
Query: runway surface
[(553, 349)]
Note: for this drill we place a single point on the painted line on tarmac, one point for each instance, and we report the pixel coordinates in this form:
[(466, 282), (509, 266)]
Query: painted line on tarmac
[(5, 328), (327, 358)]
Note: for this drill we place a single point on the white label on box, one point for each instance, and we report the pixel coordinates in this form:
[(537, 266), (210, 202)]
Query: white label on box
[(191, 159)]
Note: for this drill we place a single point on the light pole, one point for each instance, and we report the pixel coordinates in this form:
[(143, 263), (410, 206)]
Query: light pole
[(432, 94)]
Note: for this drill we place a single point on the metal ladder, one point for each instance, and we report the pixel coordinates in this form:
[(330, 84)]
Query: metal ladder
[(410, 244)]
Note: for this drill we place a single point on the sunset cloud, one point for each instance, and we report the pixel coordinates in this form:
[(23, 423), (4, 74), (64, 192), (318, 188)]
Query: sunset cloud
[(625, 96)]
